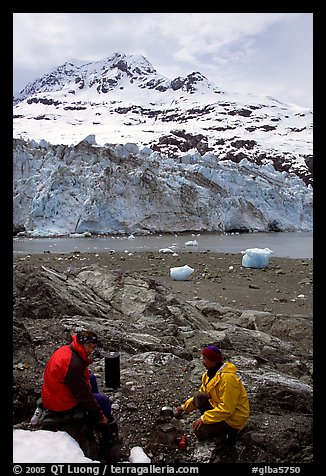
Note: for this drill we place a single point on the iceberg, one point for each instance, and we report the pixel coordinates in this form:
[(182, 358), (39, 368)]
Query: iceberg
[(256, 257), (181, 273)]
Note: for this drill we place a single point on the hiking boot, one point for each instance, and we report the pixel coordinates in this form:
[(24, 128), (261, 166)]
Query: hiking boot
[(231, 438)]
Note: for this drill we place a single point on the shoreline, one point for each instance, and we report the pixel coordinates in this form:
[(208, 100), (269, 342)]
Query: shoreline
[(288, 245)]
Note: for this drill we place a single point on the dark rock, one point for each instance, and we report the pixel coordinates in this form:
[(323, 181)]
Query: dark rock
[(157, 333)]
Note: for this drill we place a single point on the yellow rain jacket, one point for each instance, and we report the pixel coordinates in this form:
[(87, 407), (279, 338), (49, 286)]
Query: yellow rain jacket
[(227, 396)]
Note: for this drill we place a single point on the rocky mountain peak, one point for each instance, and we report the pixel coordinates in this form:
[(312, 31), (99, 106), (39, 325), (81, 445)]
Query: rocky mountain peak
[(123, 99), (110, 73)]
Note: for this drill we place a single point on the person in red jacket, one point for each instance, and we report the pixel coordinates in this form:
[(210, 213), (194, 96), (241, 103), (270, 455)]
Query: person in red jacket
[(69, 385), (67, 378)]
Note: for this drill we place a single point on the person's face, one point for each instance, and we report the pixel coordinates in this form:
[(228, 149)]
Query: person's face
[(89, 347), (209, 364)]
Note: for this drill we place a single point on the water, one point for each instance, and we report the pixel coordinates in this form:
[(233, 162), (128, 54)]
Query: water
[(290, 245)]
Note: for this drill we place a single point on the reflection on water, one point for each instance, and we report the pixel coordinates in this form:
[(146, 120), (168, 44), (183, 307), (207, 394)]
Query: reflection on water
[(290, 245)]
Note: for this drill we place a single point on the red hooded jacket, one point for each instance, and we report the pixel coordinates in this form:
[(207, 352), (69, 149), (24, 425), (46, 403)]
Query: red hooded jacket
[(66, 381)]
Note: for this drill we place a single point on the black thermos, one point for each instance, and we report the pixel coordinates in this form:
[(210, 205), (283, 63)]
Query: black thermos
[(112, 370)]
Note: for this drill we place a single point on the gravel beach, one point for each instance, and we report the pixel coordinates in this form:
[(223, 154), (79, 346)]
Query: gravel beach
[(284, 287)]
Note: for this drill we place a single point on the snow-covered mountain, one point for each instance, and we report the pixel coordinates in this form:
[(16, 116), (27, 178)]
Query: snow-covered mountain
[(124, 99), (113, 147)]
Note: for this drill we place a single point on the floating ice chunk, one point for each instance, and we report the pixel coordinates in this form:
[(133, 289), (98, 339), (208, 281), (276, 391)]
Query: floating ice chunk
[(256, 257), (191, 243), (165, 250), (137, 455), (80, 235), (181, 273)]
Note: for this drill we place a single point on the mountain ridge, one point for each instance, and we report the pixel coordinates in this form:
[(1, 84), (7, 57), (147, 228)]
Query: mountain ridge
[(123, 99), (136, 67)]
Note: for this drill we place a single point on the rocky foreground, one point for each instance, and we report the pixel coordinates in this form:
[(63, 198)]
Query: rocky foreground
[(261, 318)]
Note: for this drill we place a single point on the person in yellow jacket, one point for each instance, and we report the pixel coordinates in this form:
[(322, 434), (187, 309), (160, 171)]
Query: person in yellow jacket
[(222, 399)]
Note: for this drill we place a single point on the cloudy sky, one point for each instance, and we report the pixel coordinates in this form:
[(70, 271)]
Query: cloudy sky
[(259, 53)]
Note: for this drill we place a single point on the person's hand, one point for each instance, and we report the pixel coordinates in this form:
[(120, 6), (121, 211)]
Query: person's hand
[(103, 420), (179, 410), (197, 423)]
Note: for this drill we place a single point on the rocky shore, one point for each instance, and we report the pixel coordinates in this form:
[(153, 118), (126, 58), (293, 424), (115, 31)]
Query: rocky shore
[(217, 276), (261, 318)]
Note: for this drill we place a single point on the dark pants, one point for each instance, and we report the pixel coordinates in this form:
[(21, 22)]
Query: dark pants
[(102, 399), (210, 430)]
